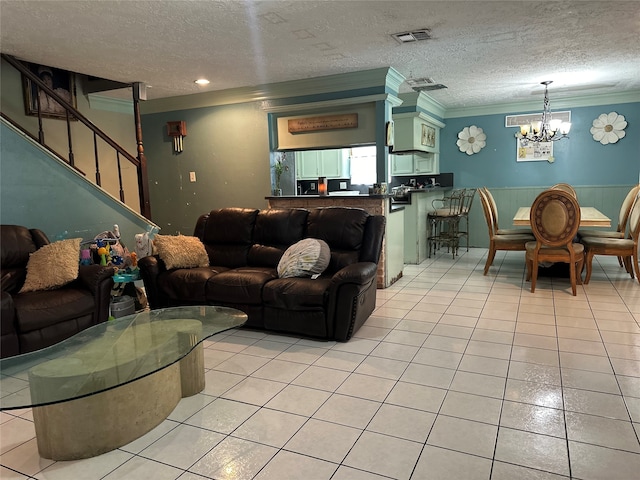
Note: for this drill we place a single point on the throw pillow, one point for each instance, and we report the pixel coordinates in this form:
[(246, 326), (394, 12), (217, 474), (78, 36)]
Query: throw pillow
[(53, 265), (306, 258), (181, 251)]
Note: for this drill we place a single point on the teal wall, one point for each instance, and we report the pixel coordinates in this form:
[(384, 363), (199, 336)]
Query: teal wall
[(579, 160), (38, 191)]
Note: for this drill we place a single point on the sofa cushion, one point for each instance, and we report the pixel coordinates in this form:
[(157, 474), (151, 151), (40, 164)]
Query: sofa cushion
[(306, 258), (296, 293), (343, 230), (36, 310), (53, 265), (241, 285), (180, 251), (228, 235), (275, 230), (187, 284)]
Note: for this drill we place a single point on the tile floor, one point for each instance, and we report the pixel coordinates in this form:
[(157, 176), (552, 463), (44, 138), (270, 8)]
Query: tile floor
[(455, 376)]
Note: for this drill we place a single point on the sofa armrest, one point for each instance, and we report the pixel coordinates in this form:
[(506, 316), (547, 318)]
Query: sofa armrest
[(99, 281), (94, 276), (359, 273), (150, 267)]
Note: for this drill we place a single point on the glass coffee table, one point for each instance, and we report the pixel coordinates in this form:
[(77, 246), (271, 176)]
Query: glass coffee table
[(112, 383)]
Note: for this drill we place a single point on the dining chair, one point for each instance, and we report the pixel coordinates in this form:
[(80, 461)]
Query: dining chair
[(623, 217), (443, 222), (512, 242), (555, 218), (625, 248), (565, 187), (494, 213)]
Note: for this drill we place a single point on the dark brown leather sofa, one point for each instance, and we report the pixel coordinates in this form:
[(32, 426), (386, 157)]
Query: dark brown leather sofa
[(244, 248), (34, 320)]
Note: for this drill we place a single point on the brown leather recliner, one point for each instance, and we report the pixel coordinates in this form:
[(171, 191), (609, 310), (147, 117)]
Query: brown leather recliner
[(34, 320)]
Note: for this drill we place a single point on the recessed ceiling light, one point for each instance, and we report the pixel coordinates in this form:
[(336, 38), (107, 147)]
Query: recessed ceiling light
[(202, 81)]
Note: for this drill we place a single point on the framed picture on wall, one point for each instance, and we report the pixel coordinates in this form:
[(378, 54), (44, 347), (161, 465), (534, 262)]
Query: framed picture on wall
[(428, 138), (534, 151), (61, 82)]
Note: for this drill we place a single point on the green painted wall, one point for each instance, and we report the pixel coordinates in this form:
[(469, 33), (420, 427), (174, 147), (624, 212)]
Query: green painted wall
[(38, 191)]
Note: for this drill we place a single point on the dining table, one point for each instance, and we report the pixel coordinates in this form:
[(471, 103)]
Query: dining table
[(589, 217)]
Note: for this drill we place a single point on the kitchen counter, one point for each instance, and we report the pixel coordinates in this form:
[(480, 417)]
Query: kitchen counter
[(418, 191), (392, 257), (416, 227)]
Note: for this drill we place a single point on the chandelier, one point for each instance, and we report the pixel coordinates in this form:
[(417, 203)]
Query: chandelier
[(546, 129)]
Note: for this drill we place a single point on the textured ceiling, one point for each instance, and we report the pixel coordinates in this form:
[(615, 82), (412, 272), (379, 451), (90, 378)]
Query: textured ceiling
[(485, 52)]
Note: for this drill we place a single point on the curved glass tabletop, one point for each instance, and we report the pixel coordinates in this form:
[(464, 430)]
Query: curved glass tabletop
[(110, 354)]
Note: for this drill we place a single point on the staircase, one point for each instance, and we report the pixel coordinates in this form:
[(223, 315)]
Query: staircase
[(42, 188), (105, 150)]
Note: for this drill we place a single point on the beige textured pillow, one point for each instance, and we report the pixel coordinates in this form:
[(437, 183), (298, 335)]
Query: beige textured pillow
[(306, 258), (180, 251), (53, 265)]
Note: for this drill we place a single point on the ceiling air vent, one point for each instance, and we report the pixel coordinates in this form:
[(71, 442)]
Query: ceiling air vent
[(424, 84), (413, 36)]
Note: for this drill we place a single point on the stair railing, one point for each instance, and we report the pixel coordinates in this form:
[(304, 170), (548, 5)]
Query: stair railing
[(72, 113)]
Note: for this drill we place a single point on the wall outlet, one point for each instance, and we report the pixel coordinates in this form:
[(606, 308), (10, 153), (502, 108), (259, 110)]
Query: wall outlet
[(192, 176), (313, 186), (343, 185)]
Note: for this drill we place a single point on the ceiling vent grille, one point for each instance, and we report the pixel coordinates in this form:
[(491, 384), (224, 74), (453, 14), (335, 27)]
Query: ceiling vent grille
[(412, 36), (424, 84)]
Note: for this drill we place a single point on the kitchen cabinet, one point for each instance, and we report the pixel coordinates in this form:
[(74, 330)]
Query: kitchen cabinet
[(322, 163), (402, 165), (415, 164)]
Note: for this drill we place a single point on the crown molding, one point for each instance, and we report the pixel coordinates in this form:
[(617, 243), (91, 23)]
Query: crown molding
[(299, 107), (632, 96), (294, 88), (423, 103), (394, 80)]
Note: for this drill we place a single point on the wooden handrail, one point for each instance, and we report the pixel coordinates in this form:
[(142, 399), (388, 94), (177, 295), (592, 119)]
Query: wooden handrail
[(71, 112)]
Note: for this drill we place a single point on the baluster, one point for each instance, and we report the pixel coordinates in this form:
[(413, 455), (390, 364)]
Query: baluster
[(95, 149), (120, 177), (71, 158), (40, 129)]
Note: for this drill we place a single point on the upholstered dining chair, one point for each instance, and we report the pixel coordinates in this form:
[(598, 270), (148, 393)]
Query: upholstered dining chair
[(555, 218), (621, 229), (494, 213), (565, 187), (625, 248), (513, 242), (623, 218)]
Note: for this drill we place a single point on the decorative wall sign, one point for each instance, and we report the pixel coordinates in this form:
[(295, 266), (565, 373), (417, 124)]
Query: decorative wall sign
[(325, 122), (428, 138), (534, 152), (471, 140), (608, 128)]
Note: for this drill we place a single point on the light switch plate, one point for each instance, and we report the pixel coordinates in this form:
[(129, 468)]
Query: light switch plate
[(192, 176), (343, 185), (313, 186)]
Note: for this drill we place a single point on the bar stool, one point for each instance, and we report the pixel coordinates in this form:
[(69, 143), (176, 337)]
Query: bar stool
[(467, 201), (444, 220)]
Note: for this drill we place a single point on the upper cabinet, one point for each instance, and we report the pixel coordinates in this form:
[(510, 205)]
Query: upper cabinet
[(416, 143), (414, 132), (322, 163), (415, 164)]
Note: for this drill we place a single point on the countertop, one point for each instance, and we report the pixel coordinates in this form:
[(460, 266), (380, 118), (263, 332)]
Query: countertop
[(332, 197)]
